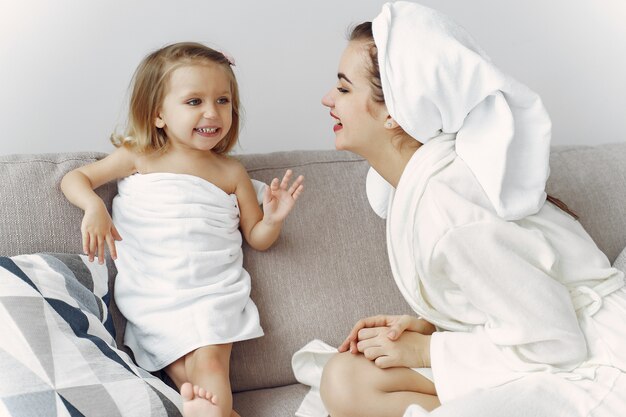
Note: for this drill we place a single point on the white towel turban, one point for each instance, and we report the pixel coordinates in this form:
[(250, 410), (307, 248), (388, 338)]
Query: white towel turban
[(436, 79)]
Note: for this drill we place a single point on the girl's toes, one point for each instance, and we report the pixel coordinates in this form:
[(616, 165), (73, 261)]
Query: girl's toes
[(186, 391)]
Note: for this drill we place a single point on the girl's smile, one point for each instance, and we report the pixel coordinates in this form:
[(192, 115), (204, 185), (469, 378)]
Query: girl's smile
[(207, 132)]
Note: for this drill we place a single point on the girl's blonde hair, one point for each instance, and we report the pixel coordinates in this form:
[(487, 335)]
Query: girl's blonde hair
[(148, 92)]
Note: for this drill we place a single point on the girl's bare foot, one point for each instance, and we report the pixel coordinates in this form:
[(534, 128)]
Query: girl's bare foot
[(198, 402)]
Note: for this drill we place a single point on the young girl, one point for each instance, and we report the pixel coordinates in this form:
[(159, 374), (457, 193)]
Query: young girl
[(181, 203)]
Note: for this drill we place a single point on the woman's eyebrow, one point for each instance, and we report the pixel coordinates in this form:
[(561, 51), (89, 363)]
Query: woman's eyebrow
[(341, 75)]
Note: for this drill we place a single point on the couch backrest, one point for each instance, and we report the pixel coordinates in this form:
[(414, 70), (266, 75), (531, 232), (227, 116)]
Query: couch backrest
[(591, 180), (329, 267)]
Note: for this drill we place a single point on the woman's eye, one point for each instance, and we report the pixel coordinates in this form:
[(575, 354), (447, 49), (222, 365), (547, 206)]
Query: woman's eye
[(223, 100), (342, 90), (194, 102)]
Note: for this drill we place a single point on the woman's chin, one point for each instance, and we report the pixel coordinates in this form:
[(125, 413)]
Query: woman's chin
[(340, 145)]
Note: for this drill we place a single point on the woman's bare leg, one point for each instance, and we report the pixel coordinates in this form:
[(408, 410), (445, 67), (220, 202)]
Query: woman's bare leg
[(353, 386), (207, 370)]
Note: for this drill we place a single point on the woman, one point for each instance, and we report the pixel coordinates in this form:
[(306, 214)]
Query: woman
[(529, 314)]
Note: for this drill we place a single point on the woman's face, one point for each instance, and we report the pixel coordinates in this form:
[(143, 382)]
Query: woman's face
[(359, 120)]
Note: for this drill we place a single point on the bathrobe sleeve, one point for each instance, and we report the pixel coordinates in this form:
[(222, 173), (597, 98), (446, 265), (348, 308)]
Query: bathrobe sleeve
[(507, 273)]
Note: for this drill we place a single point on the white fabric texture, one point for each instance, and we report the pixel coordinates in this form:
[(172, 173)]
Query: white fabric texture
[(544, 301), (308, 364), (378, 192), (180, 284), (435, 79)]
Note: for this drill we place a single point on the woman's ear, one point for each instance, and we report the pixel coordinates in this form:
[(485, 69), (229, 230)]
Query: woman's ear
[(390, 123), (159, 122)]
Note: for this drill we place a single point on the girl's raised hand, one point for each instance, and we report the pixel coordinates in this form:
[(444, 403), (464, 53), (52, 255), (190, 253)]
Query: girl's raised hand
[(98, 231), (395, 325), (280, 198)]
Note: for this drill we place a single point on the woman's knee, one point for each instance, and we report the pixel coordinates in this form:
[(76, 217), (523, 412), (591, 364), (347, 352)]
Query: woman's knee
[(340, 384)]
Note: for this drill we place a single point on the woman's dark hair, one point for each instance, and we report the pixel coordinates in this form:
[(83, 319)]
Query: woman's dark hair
[(363, 32)]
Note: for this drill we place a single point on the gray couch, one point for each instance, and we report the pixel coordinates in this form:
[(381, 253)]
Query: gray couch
[(328, 268)]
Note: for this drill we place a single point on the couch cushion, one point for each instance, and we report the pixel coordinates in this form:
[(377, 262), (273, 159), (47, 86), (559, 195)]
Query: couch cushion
[(270, 402), (56, 349)]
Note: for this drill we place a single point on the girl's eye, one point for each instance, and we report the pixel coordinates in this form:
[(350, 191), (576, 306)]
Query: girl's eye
[(342, 90), (194, 102), (223, 100)]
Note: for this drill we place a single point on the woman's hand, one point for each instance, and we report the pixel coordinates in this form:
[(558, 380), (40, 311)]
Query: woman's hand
[(394, 325), (98, 230), (279, 199), (410, 350)]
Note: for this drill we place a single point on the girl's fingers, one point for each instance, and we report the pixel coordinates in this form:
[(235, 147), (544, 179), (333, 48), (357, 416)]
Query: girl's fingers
[(93, 246), (111, 244), (296, 184), (297, 193), (100, 250), (285, 182), (85, 243)]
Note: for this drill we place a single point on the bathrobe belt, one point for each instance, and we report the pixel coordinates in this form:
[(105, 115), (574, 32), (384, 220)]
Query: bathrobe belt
[(589, 299)]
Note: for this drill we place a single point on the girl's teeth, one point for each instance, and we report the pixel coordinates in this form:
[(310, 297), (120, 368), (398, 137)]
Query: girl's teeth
[(207, 130)]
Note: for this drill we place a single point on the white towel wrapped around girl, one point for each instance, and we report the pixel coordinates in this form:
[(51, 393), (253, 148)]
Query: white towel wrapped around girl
[(186, 270)]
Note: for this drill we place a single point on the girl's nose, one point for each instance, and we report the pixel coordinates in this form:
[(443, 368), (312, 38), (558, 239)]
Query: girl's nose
[(210, 112), (328, 99)]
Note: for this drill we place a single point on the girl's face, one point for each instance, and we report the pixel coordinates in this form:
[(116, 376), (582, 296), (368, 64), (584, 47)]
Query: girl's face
[(196, 112), (359, 120)]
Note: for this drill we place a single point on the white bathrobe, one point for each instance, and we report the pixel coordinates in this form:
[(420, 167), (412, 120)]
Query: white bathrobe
[(531, 316), (535, 306), (180, 283)]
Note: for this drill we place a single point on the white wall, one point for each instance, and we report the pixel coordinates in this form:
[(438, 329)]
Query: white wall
[(65, 65)]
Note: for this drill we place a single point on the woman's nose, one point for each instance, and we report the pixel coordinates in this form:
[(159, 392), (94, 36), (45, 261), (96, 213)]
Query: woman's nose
[(328, 99)]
